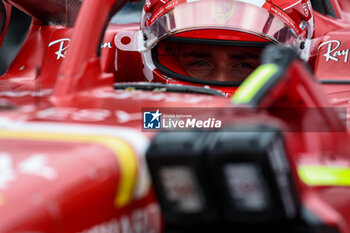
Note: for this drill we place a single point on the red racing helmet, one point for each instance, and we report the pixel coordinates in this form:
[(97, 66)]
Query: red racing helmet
[(216, 43)]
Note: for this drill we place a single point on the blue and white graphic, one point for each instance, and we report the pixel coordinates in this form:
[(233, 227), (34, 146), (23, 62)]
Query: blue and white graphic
[(151, 120)]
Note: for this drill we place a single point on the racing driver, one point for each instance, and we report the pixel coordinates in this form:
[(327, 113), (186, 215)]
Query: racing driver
[(217, 43)]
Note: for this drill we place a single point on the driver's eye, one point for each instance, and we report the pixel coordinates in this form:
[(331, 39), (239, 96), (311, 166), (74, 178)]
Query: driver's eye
[(198, 68), (246, 65), (198, 63)]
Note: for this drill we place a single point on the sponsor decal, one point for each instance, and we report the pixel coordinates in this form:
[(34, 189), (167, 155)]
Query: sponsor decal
[(35, 164), (305, 9), (62, 113), (45, 92), (285, 17), (154, 96), (222, 11), (162, 10), (332, 52), (64, 44), (106, 45), (7, 173), (89, 115), (142, 220), (123, 117)]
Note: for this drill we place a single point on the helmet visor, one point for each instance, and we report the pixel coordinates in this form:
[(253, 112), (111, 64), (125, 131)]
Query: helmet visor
[(219, 64), (216, 14)]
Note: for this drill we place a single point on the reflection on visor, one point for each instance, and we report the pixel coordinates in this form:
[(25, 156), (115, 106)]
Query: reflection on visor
[(202, 62), (231, 15)]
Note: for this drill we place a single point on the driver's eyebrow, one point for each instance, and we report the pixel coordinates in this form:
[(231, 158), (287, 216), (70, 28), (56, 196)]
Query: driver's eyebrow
[(197, 54), (243, 56)]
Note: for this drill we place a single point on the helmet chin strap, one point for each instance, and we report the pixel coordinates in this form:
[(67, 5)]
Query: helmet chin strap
[(148, 65), (317, 45)]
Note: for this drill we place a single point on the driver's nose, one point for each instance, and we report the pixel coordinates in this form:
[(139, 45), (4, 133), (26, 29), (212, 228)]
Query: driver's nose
[(222, 70), (223, 76), (223, 73)]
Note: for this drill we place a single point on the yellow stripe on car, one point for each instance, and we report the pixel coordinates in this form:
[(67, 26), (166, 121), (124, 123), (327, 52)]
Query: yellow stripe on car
[(253, 83), (320, 175), (123, 151)]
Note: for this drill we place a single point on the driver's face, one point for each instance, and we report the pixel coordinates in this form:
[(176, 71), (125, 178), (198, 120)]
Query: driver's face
[(218, 63)]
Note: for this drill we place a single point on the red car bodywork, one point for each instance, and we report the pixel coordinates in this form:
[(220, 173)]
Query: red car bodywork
[(72, 149)]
